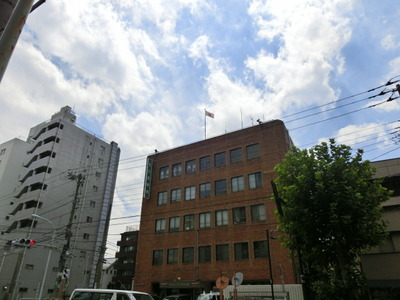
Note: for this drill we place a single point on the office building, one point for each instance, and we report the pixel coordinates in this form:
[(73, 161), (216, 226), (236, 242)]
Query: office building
[(382, 264), (206, 210), (62, 200)]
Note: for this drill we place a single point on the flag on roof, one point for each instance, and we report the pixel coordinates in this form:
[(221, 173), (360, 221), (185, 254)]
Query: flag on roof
[(209, 114)]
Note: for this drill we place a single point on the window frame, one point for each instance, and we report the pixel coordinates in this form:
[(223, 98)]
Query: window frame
[(191, 219), (174, 224), (190, 166), (176, 195), (252, 151), (219, 159), (205, 162), (206, 192), (172, 256), (221, 218), (236, 155), (219, 189), (192, 193), (204, 254), (260, 249), (237, 184), (162, 198), (188, 255), (176, 169), (222, 255), (164, 172), (160, 225), (257, 182), (241, 251), (256, 216), (239, 215), (205, 220)]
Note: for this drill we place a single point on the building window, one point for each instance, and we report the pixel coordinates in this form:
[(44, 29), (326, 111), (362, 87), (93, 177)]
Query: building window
[(221, 217), (188, 255), (174, 224), (98, 175), (92, 204), (102, 150), (253, 151), (176, 170), (219, 159), (236, 155), (205, 162), (188, 222), (190, 166), (157, 257), (258, 213), (86, 236), (160, 225), (95, 188), (205, 190), (255, 180), (220, 187), (260, 249), (190, 192), (172, 256), (205, 220), (241, 251), (89, 219), (222, 252), (164, 172), (28, 267), (239, 215), (204, 253), (2, 151), (162, 198), (237, 184), (175, 195)]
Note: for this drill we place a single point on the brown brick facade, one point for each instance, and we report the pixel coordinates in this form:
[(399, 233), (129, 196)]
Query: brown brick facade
[(250, 205)]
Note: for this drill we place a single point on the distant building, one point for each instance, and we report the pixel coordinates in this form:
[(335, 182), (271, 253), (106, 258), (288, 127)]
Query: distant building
[(107, 274), (382, 264), (205, 213), (126, 261), (64, 190)]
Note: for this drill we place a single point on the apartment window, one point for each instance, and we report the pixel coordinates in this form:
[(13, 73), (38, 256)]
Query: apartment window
[(204, 253), (92, 204), (188, 255), (175, 195), (102, 150), (188, 222), (253, 151), (160, 225), (205, 162), (241, 251), (82, 254), (158, 257), (255, 180), (258, 213), (86, 236), (95, 188), (219, 159), (236, 155), (28, 267), (89, 219), (190, 166), (205, 190), (205, 220), (3, 151), (220, 187), (222, 252), (98, 175), (221, 217), (239, 215), (174, 224), (100, 161), (260, 249), (190, 192), (237, 184), (177, 169), (162, 198), (164, 172), (172, 256)]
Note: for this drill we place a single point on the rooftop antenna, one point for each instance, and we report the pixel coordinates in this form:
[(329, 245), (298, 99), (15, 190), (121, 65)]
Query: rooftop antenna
[(251, 120)]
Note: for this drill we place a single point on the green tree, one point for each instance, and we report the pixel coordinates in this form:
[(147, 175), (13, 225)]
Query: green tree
[(332, 213)]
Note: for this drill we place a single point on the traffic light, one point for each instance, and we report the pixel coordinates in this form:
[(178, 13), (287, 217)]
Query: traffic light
[(23, 243)]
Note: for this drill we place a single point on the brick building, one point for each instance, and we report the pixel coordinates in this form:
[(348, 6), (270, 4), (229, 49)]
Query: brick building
[(206, 209)]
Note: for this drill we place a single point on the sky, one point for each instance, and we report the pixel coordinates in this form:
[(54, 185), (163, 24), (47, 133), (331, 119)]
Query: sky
[(141, 73)]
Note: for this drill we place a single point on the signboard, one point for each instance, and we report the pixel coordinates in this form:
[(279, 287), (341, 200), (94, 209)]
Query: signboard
[(147, 178)]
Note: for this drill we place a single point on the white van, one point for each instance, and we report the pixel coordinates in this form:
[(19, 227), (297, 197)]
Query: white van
[(104, 294)]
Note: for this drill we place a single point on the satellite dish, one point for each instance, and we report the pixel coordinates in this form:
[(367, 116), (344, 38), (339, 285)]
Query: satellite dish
[(237, 279), (222, 282)]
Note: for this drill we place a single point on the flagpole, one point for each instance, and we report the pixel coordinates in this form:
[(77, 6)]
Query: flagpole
[(205, 124)]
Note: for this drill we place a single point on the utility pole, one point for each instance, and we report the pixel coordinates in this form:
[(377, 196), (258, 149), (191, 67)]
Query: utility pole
[(80, 179)]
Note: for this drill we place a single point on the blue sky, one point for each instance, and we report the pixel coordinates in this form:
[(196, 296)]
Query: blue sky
[(142, 72)]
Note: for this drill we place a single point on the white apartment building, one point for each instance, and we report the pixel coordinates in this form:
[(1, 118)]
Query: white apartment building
[(62, 199)]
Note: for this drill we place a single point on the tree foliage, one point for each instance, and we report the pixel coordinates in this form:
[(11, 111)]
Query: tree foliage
[(332, 213)]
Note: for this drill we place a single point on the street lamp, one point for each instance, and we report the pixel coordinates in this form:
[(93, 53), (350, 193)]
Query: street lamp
[(270, 265), (49, 256)]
